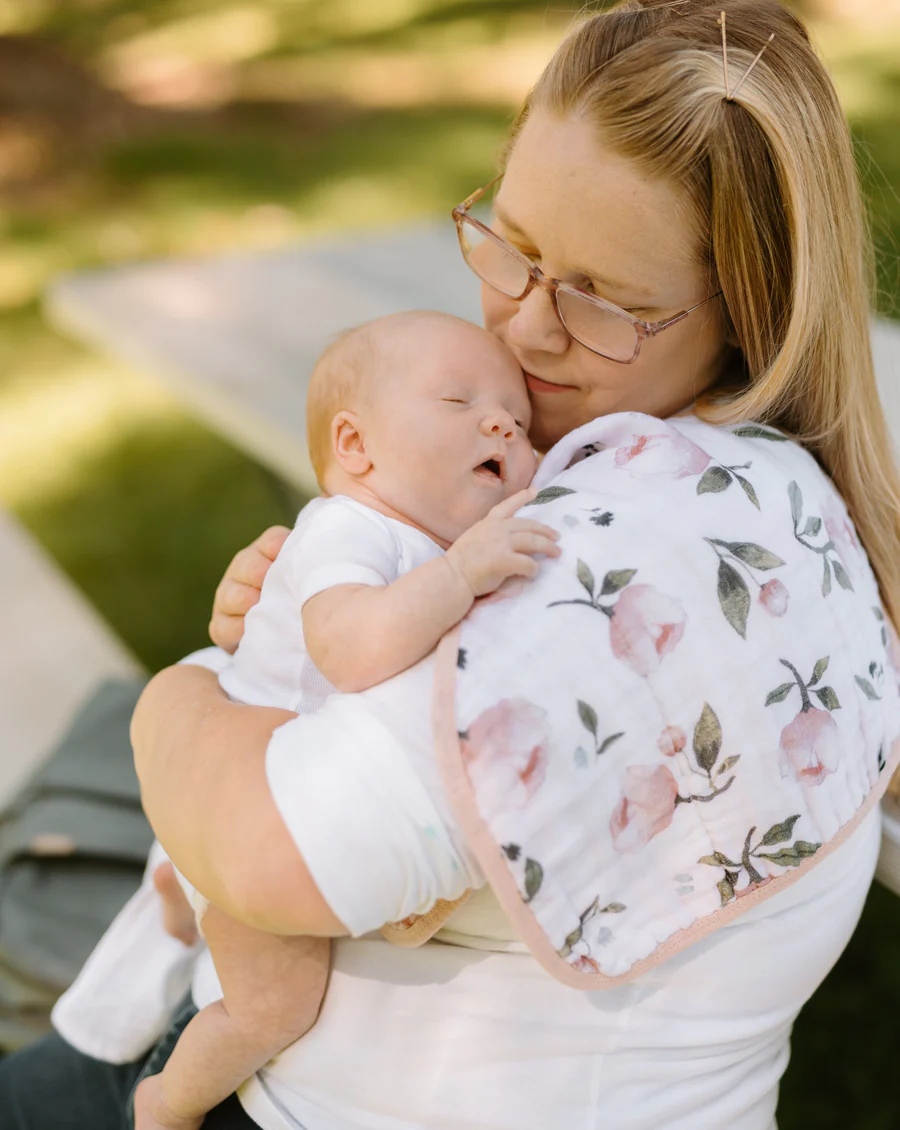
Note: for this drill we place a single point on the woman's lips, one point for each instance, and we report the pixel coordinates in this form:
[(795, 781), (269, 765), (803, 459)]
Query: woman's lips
[(535, 384)]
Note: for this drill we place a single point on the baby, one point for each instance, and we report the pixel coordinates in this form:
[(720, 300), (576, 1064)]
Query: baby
[(417, 426)]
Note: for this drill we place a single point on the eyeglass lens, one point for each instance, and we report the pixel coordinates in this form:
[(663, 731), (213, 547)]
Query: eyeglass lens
[(600, 330)]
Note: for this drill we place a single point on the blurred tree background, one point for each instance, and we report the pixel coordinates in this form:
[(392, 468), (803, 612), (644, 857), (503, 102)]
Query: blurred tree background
[(134, 129)]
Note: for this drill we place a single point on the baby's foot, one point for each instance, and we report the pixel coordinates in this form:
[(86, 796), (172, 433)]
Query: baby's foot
[(151, 1111), (179, 919)]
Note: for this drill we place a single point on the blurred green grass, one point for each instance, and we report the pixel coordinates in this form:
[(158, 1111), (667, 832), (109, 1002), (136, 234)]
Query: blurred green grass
[(292, 135)]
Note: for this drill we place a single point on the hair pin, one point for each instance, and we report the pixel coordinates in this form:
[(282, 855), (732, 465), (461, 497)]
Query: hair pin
[(730, 94)]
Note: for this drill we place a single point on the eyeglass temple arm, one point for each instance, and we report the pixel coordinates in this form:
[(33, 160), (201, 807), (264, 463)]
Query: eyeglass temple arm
[(476, 195), (657, 326)]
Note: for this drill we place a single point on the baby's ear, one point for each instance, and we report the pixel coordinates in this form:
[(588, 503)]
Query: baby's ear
[(348, 444)]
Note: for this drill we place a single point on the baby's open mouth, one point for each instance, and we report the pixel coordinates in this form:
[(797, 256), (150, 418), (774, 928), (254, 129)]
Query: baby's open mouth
[(491, 467)]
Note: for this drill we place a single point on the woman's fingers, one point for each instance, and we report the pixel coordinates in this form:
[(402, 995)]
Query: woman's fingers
[(239, 589), (270, 541)]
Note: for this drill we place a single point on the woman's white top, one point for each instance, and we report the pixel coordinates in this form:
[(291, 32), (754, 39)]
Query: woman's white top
[(469, 1030)]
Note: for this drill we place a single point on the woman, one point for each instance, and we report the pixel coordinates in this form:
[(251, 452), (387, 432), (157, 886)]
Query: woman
[(648, 170)]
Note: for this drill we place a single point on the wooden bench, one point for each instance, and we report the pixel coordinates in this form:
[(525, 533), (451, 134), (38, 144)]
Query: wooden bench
[(236, 337), (55, 652)]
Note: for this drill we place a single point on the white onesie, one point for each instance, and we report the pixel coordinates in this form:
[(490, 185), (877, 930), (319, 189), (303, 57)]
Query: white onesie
[(335, 541)]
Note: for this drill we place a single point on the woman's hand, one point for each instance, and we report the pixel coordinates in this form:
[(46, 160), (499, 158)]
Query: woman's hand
[(239, 589)]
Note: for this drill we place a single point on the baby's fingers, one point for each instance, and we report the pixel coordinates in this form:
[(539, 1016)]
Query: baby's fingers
[(528, 526), (509, 506), (527, 542)]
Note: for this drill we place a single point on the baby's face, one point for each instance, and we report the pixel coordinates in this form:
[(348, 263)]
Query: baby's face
[(447, 426)]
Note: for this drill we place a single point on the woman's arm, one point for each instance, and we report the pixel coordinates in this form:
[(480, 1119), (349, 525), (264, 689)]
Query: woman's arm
[(201, 762)]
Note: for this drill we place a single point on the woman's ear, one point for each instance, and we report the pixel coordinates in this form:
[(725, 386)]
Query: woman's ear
[(349, 445)]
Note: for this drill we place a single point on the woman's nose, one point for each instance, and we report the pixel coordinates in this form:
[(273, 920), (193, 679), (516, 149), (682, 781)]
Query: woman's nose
[(535, 327)]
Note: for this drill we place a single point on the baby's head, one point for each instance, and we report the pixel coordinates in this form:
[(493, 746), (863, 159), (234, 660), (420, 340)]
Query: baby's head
[(424, 412)]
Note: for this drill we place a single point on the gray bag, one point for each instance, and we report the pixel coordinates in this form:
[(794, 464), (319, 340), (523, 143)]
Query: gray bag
[(73, 845)]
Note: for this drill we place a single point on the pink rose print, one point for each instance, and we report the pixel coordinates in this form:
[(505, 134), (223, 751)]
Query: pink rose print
[(671, 741), (645, 626), (504, 753), (666, 455), (646, 807), (840, 532), (774, 597), (809, 747), (585, 964)]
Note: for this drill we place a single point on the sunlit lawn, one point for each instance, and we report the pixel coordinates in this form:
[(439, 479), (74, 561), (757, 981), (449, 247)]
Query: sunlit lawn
[(140, 503)]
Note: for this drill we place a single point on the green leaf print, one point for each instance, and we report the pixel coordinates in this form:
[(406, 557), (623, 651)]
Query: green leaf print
[(792, 856), (534, 876), (726, 891), (607, 742), (827, 697), (586, 577), (707, 739), (819, 670), (780, 693), (734, 597), (812, 527), (714, 481), (778, 833), (747, 489), (867, 688), (615, 580), (728, 763), (826, 579), (754, 431), (588, 716), (796, 497), (753, 555), (840, 575), (549, 494)]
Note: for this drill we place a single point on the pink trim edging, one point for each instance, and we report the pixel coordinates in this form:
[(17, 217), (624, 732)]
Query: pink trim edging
[(482, 842)]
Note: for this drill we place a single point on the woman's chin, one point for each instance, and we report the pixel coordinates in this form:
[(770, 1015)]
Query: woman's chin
[(548, 428)]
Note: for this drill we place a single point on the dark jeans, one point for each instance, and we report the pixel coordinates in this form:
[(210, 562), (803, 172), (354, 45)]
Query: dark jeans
[(51, 1086)]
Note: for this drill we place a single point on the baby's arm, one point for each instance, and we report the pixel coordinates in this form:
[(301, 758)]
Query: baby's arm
[(273, 988), (360, 635)]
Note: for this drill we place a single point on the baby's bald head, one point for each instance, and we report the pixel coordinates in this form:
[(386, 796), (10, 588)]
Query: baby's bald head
[(361, 362)]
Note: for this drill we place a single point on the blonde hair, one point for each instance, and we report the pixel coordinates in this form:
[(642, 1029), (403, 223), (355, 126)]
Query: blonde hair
[(772, 181), (336, 383)]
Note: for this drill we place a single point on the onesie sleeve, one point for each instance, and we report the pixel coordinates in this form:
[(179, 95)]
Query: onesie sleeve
[(372, 838), (340, 543)]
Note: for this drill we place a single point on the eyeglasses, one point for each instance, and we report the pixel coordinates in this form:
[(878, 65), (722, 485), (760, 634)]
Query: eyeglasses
[(597, 324)]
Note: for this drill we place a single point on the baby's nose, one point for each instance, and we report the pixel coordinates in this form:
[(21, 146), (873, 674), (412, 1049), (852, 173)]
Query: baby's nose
[(500, 424)]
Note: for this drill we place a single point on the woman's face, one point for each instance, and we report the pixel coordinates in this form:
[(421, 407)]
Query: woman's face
[(591, 218)]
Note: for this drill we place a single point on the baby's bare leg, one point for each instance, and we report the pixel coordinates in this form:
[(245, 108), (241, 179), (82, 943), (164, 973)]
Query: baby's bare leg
[(273, 989), (178, 915)]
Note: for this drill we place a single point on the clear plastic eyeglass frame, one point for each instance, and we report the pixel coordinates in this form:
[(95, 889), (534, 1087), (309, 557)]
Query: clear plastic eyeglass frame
[(536, 277)]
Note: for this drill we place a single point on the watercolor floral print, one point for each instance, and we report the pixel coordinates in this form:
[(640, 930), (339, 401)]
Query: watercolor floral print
[(733, 592), (812, 528), (650, 794), (791, 856), (645, 624), (809, 748), (653, 788)]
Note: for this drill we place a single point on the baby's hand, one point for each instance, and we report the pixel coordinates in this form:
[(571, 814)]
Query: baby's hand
[(501, 546)]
